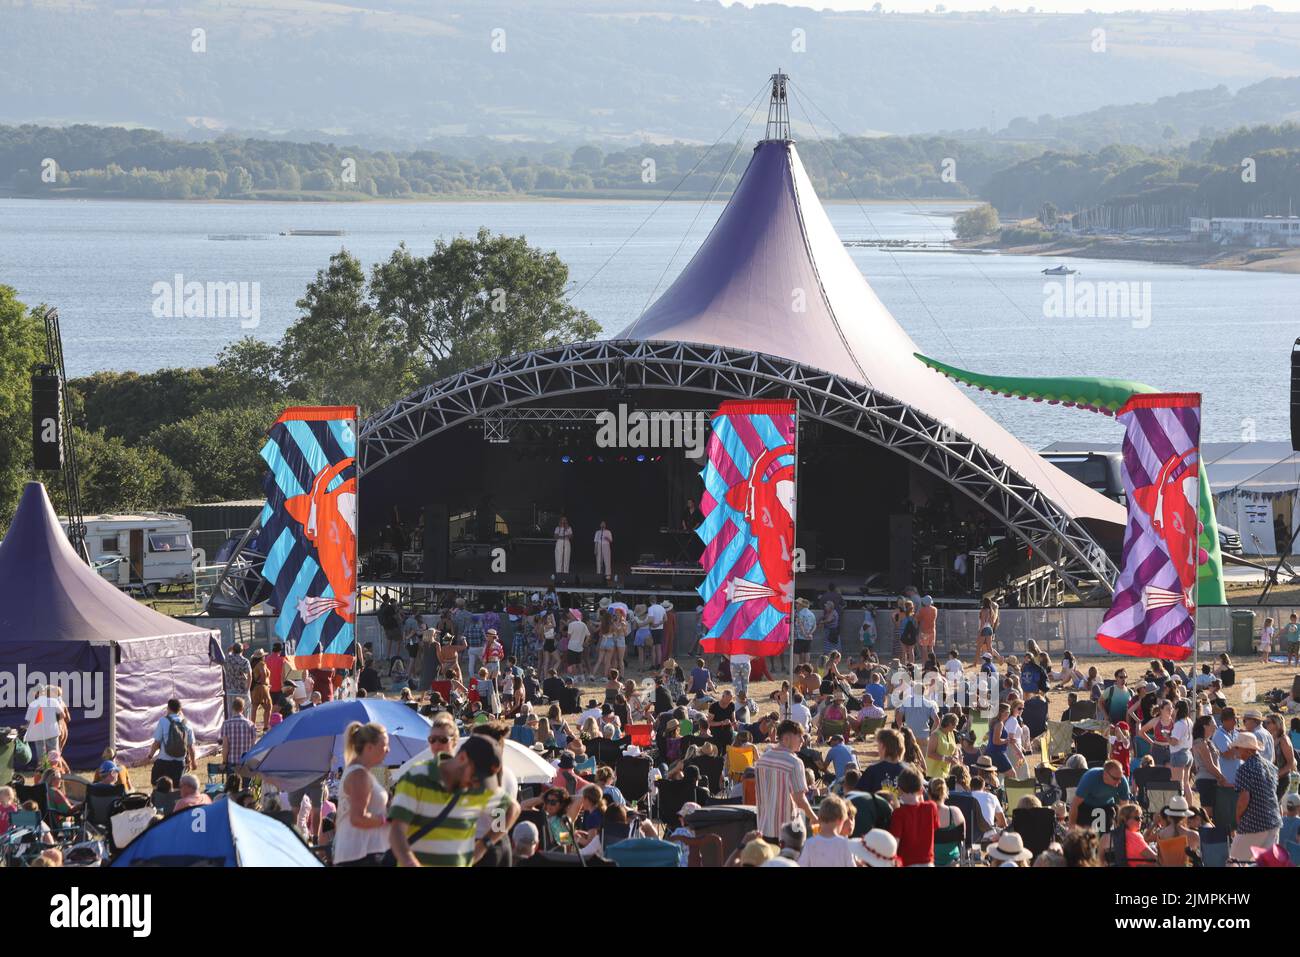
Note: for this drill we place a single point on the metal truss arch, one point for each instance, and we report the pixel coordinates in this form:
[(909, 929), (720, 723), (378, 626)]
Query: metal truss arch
[(723, 372)]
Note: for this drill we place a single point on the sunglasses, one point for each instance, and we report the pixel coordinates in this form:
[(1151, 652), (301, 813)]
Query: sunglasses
[(439, 740)]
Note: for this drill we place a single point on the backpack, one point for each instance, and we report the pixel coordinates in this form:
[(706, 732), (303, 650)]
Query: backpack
[(176, 738)]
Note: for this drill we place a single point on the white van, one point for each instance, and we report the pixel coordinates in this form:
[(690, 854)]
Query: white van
[(141, 552)]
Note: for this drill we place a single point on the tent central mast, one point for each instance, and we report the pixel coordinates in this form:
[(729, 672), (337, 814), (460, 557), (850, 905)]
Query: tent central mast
[(778, 110)]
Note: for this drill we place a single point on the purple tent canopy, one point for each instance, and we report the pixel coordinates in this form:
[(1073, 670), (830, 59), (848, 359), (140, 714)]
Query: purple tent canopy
[(117, 661)]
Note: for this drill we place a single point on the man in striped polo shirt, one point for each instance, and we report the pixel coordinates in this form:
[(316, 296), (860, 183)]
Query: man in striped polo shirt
[(781, 782), (436, 807)]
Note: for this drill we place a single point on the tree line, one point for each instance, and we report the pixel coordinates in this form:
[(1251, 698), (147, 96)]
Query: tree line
[(145, 164)]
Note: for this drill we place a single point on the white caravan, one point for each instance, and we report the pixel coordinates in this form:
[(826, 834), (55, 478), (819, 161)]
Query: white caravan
[(141, 552)]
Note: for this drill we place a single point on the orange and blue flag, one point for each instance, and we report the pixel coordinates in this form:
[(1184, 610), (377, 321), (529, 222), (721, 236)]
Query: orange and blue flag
[(309, 532)]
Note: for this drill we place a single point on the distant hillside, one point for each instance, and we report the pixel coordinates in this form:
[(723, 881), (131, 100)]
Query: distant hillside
[(1170, 121), (408, 70)]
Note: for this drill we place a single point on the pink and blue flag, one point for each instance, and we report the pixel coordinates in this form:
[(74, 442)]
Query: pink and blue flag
[(1153, 613), (748, 528)]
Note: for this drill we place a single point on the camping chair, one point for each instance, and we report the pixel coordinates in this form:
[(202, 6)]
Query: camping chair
[(1060, 738), (1034, 716), (33, 792), (640, 734), (538, 819), (1083, 711), (646, 852), (1292, 849), (75, 788), (711, 767), (970, 810), (1042, 743), (1067, 779), (1214, 846), (739, 759), (1036, 827), (1158, 794), (217, 774), (99, 803), (611, 834), (633, 775), (669, 798), (749, 790), (605, 751), (1143, 777), (1172, 851), (1018, 789), (868, 728), (1094, 747), (165, 802), (703, 851), (826, 728)]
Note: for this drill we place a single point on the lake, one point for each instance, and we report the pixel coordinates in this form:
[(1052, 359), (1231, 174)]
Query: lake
[(1225, 334)]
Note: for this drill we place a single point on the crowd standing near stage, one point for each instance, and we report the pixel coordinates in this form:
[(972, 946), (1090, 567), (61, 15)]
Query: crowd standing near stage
[(852, 761)]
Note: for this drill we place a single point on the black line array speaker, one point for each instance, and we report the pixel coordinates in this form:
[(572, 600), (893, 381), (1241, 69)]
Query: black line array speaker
[(1295, 396), (437, 543), (47, 421), (900, 551)]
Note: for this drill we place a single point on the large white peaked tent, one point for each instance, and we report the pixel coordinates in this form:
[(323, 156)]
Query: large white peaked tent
[(774, 277)]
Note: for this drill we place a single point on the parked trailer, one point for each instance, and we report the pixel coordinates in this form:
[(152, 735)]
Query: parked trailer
[(141, 552)]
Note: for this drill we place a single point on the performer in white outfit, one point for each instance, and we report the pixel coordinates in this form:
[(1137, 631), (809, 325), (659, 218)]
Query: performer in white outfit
[(604, 551), (563, 545)]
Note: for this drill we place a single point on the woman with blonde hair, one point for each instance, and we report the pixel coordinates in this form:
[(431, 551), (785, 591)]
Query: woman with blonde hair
[(360, 827)]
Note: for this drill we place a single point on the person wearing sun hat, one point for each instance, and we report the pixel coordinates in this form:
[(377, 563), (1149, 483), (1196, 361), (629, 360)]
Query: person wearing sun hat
[(1258, 819), (805, 626), (758, 852), (877, 848), (1010, 849), (1174, 823)]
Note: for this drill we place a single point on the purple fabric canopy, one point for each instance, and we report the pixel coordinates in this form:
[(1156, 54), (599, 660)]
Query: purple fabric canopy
[(48, 596)]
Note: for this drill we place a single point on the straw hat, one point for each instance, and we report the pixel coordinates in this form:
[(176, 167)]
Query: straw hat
[(604, 603), (758, 852), (1246, 741), (984, 763), (1010, 847), (1252, 713), (1177, 807), (666, 605), (879, 848), (803, 602)]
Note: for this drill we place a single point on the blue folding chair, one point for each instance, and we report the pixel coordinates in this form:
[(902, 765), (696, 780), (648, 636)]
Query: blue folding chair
[(1214, 847)]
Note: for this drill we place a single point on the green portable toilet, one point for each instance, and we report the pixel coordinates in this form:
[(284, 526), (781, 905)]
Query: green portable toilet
[(1243, 632)]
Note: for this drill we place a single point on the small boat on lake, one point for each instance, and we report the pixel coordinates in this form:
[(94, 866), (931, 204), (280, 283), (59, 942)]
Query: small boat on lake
[(1059, 271)]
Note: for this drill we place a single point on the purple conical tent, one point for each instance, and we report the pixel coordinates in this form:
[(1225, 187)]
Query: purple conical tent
[(117, 661)]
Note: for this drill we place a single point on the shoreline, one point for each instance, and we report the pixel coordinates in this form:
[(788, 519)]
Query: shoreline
[(1284, 260)]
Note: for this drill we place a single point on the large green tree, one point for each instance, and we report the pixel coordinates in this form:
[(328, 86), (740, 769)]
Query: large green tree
[(342, 350), (117, 477), (473, 300), (218, 449), (22, 346)]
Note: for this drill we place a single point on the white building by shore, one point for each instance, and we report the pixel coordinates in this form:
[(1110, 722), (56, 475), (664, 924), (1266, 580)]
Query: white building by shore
[(1248, 230)]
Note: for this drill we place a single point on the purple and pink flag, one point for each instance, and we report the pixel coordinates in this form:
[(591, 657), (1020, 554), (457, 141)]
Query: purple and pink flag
[(1153, 613), (748, 528)]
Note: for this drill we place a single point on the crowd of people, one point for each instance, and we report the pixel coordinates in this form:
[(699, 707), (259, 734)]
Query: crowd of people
[(847, 762)]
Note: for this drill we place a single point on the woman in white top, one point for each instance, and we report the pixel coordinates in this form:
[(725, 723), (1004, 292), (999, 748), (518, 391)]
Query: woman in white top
[(1015, 742), (563, 545), (360, 829), (604, 545), (1180, 746)]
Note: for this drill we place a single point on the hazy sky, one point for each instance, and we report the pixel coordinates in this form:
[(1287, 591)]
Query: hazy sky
[(1053, 6)]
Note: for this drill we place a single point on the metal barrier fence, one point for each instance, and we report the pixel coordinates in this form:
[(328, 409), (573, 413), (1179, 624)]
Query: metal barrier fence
[(1055, 630)]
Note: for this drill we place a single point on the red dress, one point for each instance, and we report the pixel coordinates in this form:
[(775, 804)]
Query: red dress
[(914, 826)]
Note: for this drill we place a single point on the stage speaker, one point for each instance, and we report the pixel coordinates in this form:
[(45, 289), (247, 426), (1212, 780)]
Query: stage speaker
[(637, 582), (900, 551), (47, 421), (437, 543), (835, 564), (1295, 396), (565, 579)]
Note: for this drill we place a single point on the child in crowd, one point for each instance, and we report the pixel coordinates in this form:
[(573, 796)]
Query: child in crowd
[(1121, 745), (1266, 639), (830, 846), (8, 804)]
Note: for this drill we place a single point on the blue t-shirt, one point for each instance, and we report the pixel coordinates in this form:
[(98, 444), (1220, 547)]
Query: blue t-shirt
[(841, 756), (1290, 829), (878, 693), (1095, 792), (699, 680), (880, 774)]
